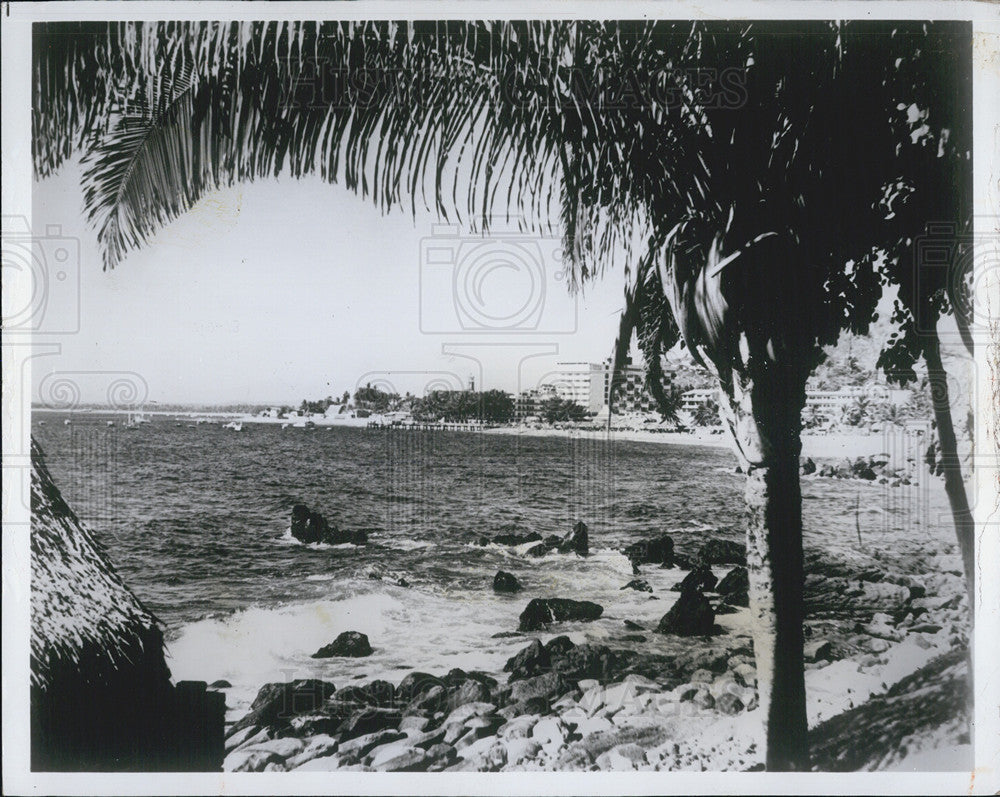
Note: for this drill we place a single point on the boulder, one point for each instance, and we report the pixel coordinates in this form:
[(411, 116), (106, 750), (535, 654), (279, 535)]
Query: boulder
[(311, 527), (692, 615), (728, 703), (657, 551), (505, 582), (277, 703), (818, 650), (576, 541), (222, 683), (360, 746), (431, 701), (591, 661), (808, 467), (542, 611), (400, 758), (469, 691), (415, 684), (352, 644), (633, 626), (701, 579), (736, 581), (528, 661), (380, 693), (639, 585), (540, 549), (367, 721), (722, 552), (308, 526), (547, 685), (558, 645)]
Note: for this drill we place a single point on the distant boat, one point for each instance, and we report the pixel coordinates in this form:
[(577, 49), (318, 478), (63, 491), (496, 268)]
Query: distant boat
[(236, 426)]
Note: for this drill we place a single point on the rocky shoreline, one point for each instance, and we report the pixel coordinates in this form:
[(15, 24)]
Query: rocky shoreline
[(562, 705)]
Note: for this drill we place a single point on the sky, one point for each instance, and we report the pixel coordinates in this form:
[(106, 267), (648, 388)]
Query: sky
[(286, 289)]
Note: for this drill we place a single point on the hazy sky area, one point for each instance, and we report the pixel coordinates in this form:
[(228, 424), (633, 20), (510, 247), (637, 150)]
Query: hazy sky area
[(282, 290)]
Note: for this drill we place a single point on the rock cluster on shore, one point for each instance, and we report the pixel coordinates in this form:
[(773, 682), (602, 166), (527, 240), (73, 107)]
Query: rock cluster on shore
[(576, 541), (592, 706), (874, 468)]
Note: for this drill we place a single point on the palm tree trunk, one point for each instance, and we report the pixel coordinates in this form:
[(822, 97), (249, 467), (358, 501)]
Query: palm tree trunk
[(953, 485), (765, 420)]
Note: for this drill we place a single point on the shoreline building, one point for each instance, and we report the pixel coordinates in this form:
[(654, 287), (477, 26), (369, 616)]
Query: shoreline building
[(587, 384), (827, 403)]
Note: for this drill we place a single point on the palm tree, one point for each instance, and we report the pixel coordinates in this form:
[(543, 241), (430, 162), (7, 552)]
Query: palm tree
[(733, 207)]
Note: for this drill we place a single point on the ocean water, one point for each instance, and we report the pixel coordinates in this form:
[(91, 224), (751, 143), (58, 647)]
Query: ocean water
[(196, 519)]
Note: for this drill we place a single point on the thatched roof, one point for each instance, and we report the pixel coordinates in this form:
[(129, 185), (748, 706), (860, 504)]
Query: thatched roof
[(84, 620)]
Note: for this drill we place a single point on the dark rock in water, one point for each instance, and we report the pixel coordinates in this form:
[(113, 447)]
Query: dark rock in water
[(505, 634), (222, 683), (808, 467), (350, 643), (737, 599), (482, 542), (576, 541), (701, 579), (692, 615), (633, 638), (725, 608), (308, 526), (558, 645), (505, 582), (722, 552), (528, 661), (542, 611), (538, 550), (683, 562), (277, 703), (639, 585), (633, 626), (402, 582), (311, 527), (658, 551), (734, 582), (517, 539)]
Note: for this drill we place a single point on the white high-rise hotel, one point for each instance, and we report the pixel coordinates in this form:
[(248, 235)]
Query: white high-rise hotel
[(587, 384)]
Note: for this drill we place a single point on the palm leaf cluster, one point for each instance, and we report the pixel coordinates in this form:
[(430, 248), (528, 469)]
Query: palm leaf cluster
[(734, 168)]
